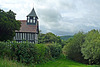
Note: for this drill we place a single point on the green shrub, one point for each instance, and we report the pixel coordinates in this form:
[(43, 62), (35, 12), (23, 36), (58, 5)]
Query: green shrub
[(5, 50), (55, 49), (48, 38), (22, 52), (28, 53), (25, 52), (73, 48), (84, 48), (91, 47)]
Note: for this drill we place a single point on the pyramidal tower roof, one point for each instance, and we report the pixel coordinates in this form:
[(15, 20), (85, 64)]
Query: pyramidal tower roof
[(32, 13)]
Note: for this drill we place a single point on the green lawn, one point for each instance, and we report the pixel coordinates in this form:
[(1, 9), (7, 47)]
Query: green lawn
[(63, 62)]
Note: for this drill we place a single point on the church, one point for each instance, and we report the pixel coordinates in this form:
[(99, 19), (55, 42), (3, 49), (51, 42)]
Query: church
[(29, 29)]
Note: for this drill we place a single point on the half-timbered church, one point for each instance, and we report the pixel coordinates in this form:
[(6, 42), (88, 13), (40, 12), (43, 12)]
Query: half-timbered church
[(29, 29)]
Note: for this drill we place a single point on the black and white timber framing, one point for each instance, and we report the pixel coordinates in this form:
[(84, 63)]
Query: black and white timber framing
[(25, 34)]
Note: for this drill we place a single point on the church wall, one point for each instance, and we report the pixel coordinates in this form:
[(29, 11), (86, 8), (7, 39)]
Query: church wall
[(31, 37)]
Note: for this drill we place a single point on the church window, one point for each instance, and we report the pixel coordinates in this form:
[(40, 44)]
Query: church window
[(34, 20), (30, 20)]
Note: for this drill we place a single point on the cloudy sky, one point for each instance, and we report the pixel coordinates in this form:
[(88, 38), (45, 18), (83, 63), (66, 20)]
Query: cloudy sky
[(61, 17)]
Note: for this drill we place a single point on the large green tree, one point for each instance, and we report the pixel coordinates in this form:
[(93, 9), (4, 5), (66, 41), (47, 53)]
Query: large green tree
[(49, 38), (8, 25), (73, 47), (91, 47)]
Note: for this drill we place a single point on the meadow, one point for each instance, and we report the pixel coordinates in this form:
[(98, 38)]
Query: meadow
[(61, 62)]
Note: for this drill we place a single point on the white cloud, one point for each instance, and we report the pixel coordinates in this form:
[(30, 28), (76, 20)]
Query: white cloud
[(61, 17)]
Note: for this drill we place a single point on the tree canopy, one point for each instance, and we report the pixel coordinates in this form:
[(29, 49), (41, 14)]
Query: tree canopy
[(91, 47), (84, 48), (73, 48), (48, 38), (8, 25)]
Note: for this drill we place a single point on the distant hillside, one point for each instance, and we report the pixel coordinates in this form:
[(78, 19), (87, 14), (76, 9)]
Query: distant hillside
[(65, 37)]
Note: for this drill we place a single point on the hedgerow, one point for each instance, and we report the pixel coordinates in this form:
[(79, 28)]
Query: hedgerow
[(28, 53)]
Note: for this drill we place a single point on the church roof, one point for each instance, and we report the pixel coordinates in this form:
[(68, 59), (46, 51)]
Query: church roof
[(32, 13), (27, 28)]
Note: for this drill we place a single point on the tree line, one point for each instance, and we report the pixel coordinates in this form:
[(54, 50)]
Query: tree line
[(84, 47)]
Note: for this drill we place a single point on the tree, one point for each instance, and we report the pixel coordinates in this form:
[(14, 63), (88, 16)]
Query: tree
[(49, 38), (91, 47), (73, 48), (8, 25)]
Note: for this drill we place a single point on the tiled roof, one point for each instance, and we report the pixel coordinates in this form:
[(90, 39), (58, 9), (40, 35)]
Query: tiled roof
[(27, 28)]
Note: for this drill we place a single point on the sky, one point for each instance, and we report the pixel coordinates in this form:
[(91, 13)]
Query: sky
[(61, 17)]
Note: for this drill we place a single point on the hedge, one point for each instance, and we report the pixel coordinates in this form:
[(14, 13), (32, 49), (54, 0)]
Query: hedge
[(28, 52)]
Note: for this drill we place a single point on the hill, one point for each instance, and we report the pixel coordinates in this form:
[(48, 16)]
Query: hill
[(66, 37)]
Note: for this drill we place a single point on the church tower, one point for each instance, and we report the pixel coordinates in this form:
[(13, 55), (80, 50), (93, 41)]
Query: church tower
[(32, 17), (29, 29)]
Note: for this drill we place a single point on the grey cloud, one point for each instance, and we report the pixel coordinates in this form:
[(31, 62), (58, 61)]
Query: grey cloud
[(49, 15), (62, 17)]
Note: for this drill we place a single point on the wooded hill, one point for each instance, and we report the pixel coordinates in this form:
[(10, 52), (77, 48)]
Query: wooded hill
[(66, 37)]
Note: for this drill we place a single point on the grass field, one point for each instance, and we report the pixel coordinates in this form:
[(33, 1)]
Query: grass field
[(62, 62)]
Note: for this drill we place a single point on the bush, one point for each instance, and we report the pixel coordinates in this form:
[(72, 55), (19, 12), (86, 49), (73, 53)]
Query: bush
[(48, 38), (22, 52), (73, 48), (55, 49), (25, 52), (84, 48), (41, 53), (5, 50), (91, 47), (29, 53)]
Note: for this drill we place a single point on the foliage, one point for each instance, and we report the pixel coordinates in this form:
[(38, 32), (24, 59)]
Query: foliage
[(55, 49), (84, 47), (63, 42), (63, 62), (10, 63), (4, 49), (28, 53), (48, 38), (91, 47), (66, 37), (23, 52), (8, 25), (73, 48), (42, 53)]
